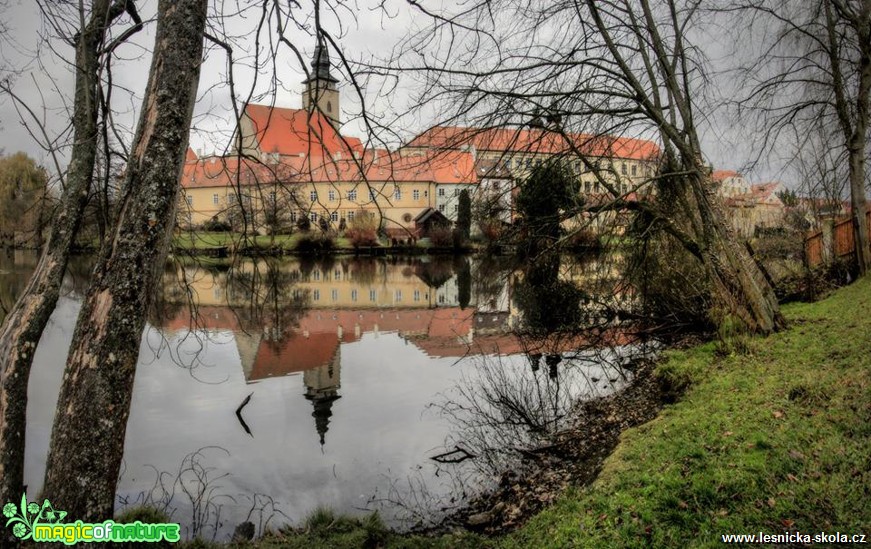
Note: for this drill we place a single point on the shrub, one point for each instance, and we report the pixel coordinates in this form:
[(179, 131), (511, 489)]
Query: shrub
[(491, 230), (362, 231), (583, 240), (217, 225), (442, 237), (312, 243), (303, 223)]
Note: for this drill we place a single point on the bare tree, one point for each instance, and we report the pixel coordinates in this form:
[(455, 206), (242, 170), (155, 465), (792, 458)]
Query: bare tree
[(813, 77), (24, 324), (626, 66), (88, 436)]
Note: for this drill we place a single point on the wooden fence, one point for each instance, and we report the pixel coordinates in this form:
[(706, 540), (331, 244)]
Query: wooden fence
[(821, 246)]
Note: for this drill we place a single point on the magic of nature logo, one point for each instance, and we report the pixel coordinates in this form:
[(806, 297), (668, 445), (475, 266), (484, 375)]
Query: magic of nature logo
[(44, 523)]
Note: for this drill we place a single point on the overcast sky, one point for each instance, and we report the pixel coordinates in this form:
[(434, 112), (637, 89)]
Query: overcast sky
[(38, 63)]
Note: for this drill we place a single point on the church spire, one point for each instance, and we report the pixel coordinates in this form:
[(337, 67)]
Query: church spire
[(321, 63), (320, 93)]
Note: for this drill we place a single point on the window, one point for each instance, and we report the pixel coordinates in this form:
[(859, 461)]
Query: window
[(456, 207), (350, 216), (425, 194), (334, 295), (353, 295), (623, 168), (441, 191), (417, 295), (231, 198), (337, 274), (215, 198), (441, 208), (334, 217), (293, 217), (329, 106), (372, 195), (398, 296), (316, 274), (272, 197), (457, 192), (313, 196), (190, 200), (313, 217), (352, 195), (316, 295), (331, 195), (372, 295), (587, 186), (415, 194), (634, 169), (397, 193)]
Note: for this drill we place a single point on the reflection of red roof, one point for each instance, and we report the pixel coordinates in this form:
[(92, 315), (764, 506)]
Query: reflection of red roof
[(297, 131), (294, 353), (535, 141), (511, 344), (208, 318), (441, 332), (456, 167)]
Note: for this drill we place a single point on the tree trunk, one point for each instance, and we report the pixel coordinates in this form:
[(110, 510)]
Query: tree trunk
[(858, 205), (739, 287), (857, 144), (87, 441), (24, 324)]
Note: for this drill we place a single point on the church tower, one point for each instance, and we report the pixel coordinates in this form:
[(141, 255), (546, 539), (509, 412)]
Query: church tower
[(320, 90)]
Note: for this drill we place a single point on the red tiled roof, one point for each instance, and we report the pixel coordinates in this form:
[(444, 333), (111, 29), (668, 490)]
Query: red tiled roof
[(763, 191), (190, 155), (296, 131), (453, 167), (721, 175), (535, 141)]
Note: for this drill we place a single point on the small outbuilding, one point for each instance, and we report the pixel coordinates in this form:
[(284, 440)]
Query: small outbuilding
[(430, 219)]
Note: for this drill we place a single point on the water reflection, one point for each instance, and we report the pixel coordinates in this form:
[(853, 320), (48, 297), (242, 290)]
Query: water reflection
[(338, 362)]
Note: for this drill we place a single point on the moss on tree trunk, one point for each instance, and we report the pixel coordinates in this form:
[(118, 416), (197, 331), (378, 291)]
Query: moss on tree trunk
[(87, 440)]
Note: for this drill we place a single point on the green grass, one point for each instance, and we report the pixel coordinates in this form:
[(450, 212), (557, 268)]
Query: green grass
[(772, 440), (775, 439), (204, 240)]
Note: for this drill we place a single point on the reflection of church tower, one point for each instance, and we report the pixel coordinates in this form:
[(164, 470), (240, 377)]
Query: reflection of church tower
[(322, 389), (320, 90)]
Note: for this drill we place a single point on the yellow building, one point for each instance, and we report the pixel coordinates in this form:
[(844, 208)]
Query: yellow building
[(623, 163), (294, 163)]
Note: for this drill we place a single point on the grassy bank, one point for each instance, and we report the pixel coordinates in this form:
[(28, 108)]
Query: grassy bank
[(205, 240), (774, 440), (777, 439)]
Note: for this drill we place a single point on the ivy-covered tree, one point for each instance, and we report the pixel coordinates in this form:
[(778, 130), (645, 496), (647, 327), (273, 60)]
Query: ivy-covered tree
[(548, 196), (464, 215), (22, 186)]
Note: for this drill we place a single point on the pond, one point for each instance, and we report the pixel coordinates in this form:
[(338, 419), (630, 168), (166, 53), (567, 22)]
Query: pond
[(402, 385)]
